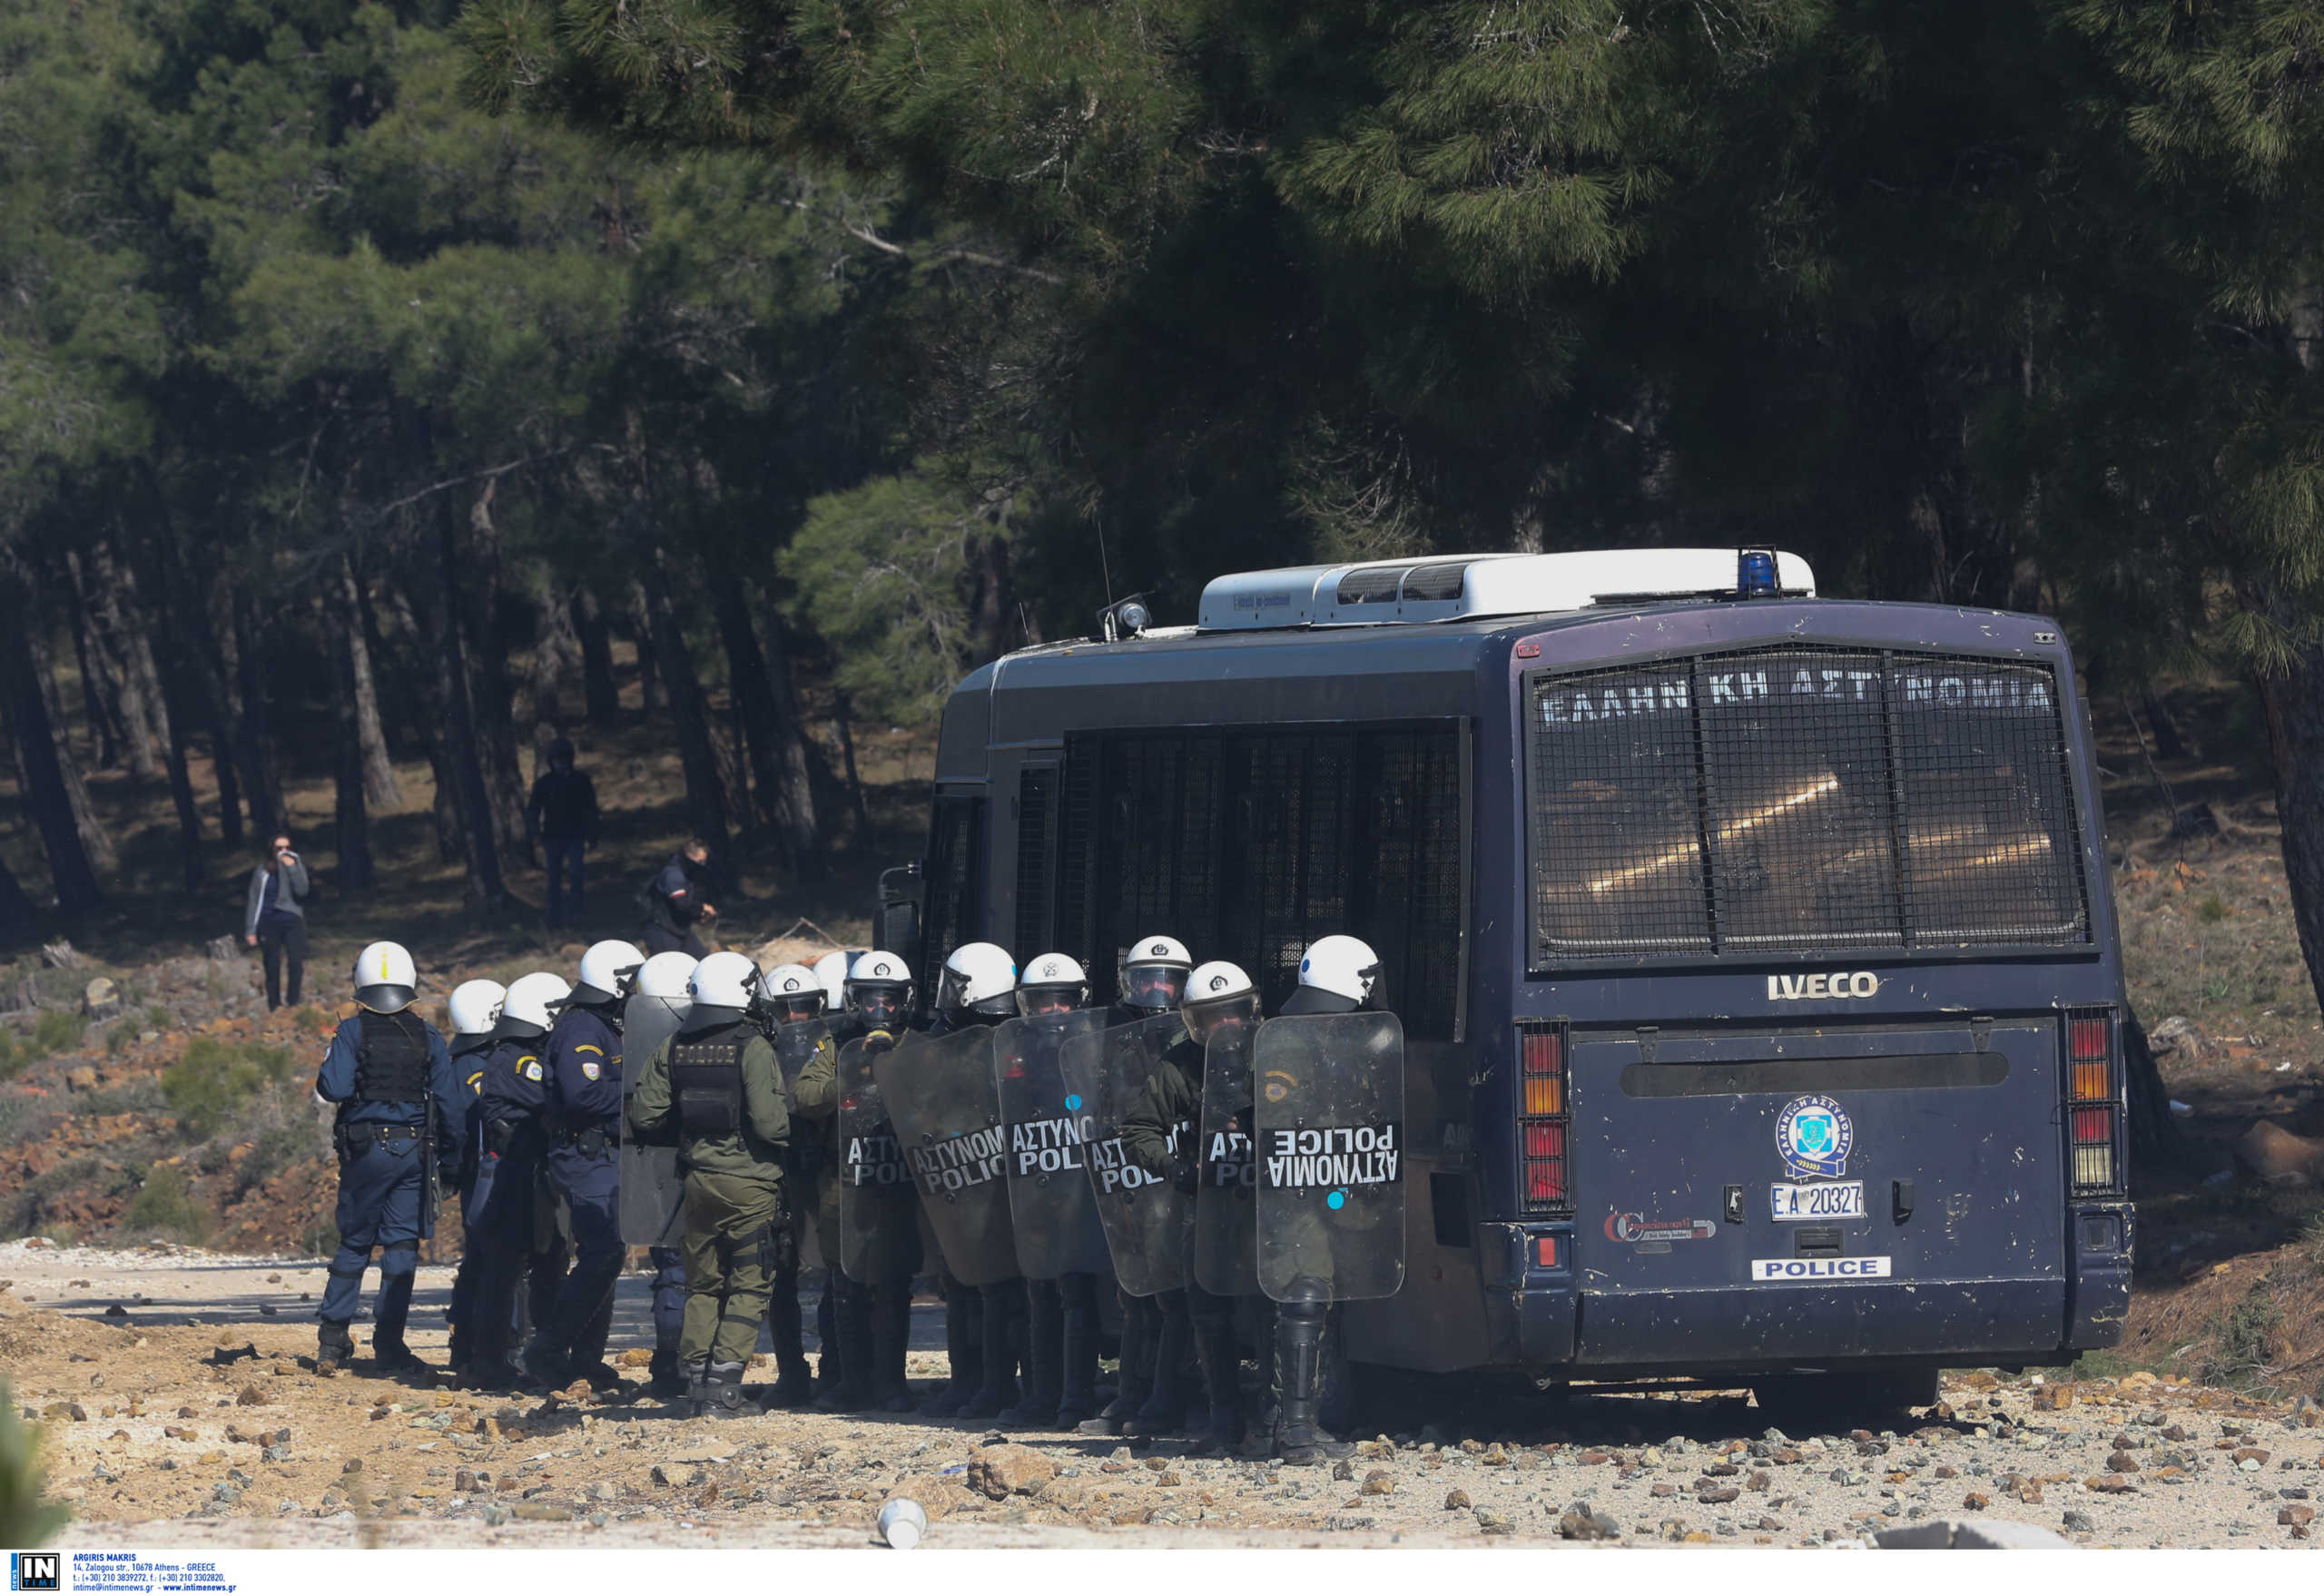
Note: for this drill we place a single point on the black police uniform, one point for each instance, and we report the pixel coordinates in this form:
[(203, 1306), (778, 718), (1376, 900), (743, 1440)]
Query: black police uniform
[(581, 1113), (520, 1234)]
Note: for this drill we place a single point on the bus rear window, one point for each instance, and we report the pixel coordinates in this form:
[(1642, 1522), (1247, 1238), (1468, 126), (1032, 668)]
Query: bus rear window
[(1784, 799)]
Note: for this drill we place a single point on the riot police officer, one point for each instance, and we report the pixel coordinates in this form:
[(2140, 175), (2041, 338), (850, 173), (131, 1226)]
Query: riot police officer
[(1219, 1000), (717, 1077), (473, 1012), (582, 1114), (1152, 981), (663, 986), (1338, 975), (978, 987), (521, 1244), (846, 1026), (870, 1318), (790, 1014), (397, 1133)]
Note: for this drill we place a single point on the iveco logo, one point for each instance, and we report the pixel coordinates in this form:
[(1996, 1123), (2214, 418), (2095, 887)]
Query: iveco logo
[(1837, 983)]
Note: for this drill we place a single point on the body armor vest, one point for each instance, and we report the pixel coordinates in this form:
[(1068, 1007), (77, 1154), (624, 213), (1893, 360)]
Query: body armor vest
[(707, 1080), (390, 1058)]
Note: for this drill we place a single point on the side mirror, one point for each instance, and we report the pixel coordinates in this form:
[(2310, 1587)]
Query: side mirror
[(895, 924)]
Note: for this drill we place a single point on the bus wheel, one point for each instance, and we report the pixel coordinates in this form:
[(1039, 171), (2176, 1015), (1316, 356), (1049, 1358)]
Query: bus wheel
[(1824, 1404)]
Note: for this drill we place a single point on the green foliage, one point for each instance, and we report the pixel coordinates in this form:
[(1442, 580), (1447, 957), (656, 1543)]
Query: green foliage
[(165, 1206), (2212, 909), (119, 1039), (56, 1031), (157, 1018), (213, 1080), (12, 1057), (2237, 1349), (26, 1517)]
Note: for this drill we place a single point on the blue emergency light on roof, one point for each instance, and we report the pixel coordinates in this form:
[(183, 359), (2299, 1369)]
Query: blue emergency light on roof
[(1755, 575)]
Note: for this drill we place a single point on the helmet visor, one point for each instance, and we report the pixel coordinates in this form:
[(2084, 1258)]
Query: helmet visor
[(1035, 1000), (1222, 1016), (881, 1006), (1155, 987), (789, 1010)]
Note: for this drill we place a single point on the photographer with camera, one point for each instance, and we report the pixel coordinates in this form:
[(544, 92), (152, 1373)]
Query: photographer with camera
[(274, 920)]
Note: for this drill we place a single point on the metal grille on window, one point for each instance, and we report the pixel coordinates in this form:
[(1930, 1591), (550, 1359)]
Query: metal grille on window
[(954, 852), (1796, 798), (1036, 868), (1249, 845)]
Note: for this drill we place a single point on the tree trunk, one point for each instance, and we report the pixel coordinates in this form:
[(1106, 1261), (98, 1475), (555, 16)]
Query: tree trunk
[(689, 711), (181, 797), (598, 689), (2168, 743), (777, 752), (557, 657), (353, 819), (122, 624), (19, 915), (187, 617), (2294, 702), (444, 804), (485, 889), (46, 792), (653, 695), (95, 840), (262, 770), (99, 690), (843, 713), (380, 789), (492, 697)]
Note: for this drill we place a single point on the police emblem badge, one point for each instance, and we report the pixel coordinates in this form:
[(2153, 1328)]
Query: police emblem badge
[(1814, 1135)]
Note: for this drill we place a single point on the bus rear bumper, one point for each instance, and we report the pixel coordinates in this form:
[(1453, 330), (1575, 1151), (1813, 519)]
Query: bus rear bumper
[(1546, 1315)]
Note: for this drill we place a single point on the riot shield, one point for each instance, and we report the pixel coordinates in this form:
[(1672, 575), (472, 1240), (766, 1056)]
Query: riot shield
[(941, 1093), (1050, 1203), (876, 1226), (1227, 1224), (1328, 1146), (653, 1197), (1148, 1219), (810, 1155)]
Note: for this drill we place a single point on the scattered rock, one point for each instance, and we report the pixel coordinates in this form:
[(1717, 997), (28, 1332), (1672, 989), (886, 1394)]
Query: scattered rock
[(1379, 1483), (1456, 1498), (2269, 1152), (1582, 1525), (1001, 1471), (2296, 1513)]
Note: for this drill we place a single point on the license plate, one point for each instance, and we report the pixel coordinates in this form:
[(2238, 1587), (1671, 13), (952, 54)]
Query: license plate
[(1841, 1200)]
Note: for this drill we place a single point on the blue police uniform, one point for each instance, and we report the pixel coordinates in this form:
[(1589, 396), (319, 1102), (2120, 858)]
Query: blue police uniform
[(517, 1237), (470, 1054), (582, 1115), (400, 1105)]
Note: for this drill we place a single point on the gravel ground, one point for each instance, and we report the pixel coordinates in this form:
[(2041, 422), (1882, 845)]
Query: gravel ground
[(194, 1417)]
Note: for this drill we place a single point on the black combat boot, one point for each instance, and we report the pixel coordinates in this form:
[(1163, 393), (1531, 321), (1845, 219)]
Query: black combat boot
[(721, 1393), (1164, 1412), (853, 1320), (1221, 1358), (1078, 1354), (1036, 1404), (891, 1337), (1004, 1344), (663, 1379), (794, 1384), (964, 1352), (692, 1399), (1141, 1317), (334, 1347), (1299, 1437)]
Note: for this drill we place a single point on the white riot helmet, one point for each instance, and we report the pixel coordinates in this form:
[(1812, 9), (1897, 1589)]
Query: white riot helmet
[(1153, 974), (880, 988), (384, 979), (979, 977), (530, 1003), (1051, 984), (474, 1008), (724, 986), (790, 993), (1336, 976), (605, 972), (832, 971), (1218, 991), (664, 976)]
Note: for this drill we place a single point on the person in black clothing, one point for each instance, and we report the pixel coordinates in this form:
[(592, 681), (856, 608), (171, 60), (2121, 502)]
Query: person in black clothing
[(675, 905), (563, 815), (273, 919)]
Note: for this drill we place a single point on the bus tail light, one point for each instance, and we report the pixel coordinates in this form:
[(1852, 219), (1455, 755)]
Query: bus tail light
[(2093, 1102), (1542, 1119)]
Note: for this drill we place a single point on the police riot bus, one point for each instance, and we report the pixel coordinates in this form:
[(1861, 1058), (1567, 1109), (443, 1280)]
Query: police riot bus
[(1753, 951)]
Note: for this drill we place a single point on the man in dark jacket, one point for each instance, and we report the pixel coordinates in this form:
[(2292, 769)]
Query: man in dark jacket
[(274, 920), (563, 813), (674, 904)]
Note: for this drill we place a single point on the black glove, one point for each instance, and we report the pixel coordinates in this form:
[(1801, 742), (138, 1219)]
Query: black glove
[(1185, 1175)]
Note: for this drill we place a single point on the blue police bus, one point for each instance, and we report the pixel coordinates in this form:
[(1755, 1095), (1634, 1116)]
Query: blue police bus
[(1754, 949)]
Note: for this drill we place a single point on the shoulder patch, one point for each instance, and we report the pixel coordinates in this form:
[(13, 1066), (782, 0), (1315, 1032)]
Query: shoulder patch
[(531, 1068), (590, 1070), (476, 1081)]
